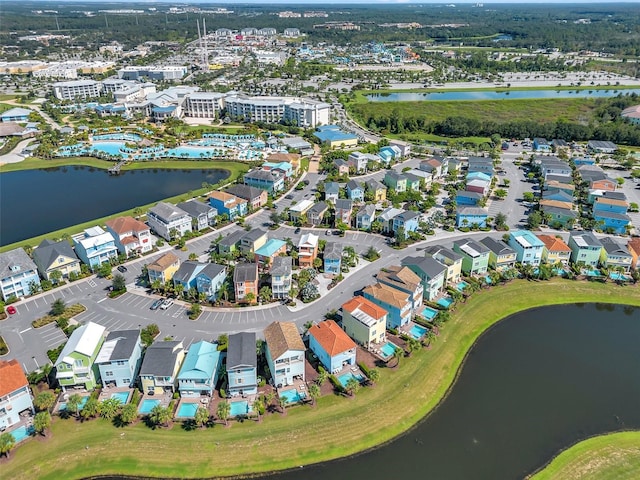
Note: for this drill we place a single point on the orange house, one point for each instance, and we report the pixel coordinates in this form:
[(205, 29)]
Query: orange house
[(307, 250), (634, 249)]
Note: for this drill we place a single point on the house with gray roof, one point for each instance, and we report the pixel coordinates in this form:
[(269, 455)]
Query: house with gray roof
[(169, 221), (230, 243), (202, 214), (280, 272), (255, 197), (343, 211), (355, 191), (160, 367), (331, 191), (119, 358), (253, 240), (205, 278), (501, 255), (432, 273), (242, 364), (315, 215), (332, 256), (53, 256), (246, 280), (365, 217), (17, 273)]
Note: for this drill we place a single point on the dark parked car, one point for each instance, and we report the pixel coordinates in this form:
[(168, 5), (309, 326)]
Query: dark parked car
[(122, 269), (155, 305), (288, 197), (297, 230)]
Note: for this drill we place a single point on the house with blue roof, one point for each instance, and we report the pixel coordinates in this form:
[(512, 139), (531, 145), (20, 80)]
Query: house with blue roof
[(471, 216), (334, 137), (355, 191), (199, 373), (528, 247), (266, 253), (19, 115), (478, 176), (390, 153), (578, 161), (285, 167), (612, 221)]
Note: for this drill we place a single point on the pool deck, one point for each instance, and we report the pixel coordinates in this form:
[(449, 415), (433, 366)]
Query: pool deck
[(407, 328), (64, 396), (26, 420), (164, 398), (299, 385)]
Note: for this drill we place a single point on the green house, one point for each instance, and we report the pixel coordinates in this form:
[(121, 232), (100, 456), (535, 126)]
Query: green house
[(76, 364)]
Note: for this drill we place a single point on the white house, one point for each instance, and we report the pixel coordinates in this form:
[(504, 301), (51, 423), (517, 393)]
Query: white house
[(131, 235), (166, 219), (284, 353), (15, 396)]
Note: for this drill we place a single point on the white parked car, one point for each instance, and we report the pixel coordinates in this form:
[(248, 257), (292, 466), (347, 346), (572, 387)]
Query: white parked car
[(166, 304)]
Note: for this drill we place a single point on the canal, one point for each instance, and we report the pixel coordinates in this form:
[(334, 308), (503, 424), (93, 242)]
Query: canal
[(34, 202)]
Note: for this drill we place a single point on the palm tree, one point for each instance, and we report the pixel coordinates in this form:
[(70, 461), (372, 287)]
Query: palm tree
[(314, 393), (258, 407), (413, 345), (201, 417), (128, 413), (7, 442), (429, 337), (160, 415), (398, 353), (322, 377), (90, 409), (269, 398), (41, 422), (73, 403), (374, 375), (109, 408), (282, 403), (352, 386), (223, 411), (44, 401), (178, 289)]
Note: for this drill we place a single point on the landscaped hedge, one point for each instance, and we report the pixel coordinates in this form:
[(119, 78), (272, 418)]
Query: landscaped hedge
[(364, 369), (337, 386), (69, 312)]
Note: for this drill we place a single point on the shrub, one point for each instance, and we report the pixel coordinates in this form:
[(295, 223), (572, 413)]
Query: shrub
[(364, 368), (337, 386)]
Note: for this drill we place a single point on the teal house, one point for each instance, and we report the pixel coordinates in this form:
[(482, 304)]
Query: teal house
[(199, 372), (585, 249)]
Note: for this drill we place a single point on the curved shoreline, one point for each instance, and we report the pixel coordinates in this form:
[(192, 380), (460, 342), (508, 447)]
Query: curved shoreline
[(282, 443)]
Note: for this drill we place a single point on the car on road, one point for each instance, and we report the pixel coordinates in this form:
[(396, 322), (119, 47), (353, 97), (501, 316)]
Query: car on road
[(166, 304), (288, 197), (11, 310), (122, 269), (297, 230), (328, 232), (155, 305)]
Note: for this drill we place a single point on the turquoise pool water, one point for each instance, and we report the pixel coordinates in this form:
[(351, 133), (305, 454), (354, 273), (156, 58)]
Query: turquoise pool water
[(417, 331), (187, 410), (592, 273), (387, 349), (445, 302), (122, 397), (240, 408), (429, 313), (147, 405), (112, 148), (487, 280), (20, 433), (618, 276), (129, 137), (345, 377), (292, 396), (462, 285), (63, 405)]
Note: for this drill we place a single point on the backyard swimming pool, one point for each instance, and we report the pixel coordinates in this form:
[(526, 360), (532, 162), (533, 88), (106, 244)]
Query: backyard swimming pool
[(63, 405), (461, 286), (147, 405), (387, 350), (417, 331), (429, 313), (20, 433), (122, 397), (345, 377), (187, 410), (292, 396), (445, 302), (240, 408)]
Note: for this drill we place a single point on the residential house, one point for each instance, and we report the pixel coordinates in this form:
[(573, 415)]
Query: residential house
[(556, 204), (285, 353), (253, 240), (119, 358), (15, 394), (255, 197), (390, 153), (281, 270), (132, 236), (432, 275), (450, 259), (199, 372), (169, 221), (75, 365), (403, 278), (163, 268), (501, 256), (541, 145), (94, 247), (307, 250), (246, 281), (331, 191), (396, 302), (528, 247), (614, 255), (378, 190), (355, 191), (403, 147), (298, 212), (343, 210), (601, 146), (17, 114), (227, 204), (559, 216), (478, 185), (202, 215), (56, 257), (334, 348), (586, 160), (332, 258), (555, 250), (242, 364), (265, 255), (585, 248), (481, 165), (315, 215), (608, 194), (160, 367), (414, 182), (471, 217), (395, 181), (365, 217), (464, 197), (359, 160), (230, 243), (557, 195), (475, 256), (342, 166), (611, 221), (603, 184), (205, 278), (364, 321), (634, 249), (433, 166), (407, 220), (554, 166), (270, 180), (563, 187)]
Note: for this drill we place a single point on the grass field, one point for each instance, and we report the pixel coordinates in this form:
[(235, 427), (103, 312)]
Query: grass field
[(235, 170), (336, 427), (615, 456)]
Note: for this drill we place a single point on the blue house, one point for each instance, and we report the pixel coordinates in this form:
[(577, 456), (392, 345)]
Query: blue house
[(365, 216), (584, 161), (464, 197), (199, 372), (407, 220), (394, 301), (206, 278), (119, 358), (390, 153), (269, 180), (612, 221), (229, 205), (557, 194), (541, 145), (17, 273), (332, 258), (485, 177), (331, 191), (355, 192), (242, 364), (95, 246), (471, 217), (528, 247), (19, 115), (334, 348)]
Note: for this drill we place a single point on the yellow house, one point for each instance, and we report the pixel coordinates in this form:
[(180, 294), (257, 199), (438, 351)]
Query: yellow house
[(378, 189), (52, 257), (160, 367), (555, 250), (450, 259), (163, 268), (364, 321)]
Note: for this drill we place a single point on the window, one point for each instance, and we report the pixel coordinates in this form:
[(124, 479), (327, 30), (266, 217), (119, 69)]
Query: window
[(77, 363), (108, 374), (239, 380), (126, 380)]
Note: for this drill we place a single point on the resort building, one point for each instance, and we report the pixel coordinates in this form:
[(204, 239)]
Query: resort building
[(75, 365), (285, 353), (119, 358), (163, 268), (160, 367), (334, 348), (94, 247), (242, 364), (204, 104), (131, 235), (199, 372), (77, 89), (15, 395), (364, 321), (56, 257), (169, 221)]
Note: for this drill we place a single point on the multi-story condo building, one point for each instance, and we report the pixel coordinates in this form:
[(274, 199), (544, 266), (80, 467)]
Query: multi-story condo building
[(77, 89), (171, 72), (204, 104)]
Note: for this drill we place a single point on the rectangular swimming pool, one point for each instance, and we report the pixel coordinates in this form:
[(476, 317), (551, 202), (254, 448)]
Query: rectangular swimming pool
[(63, 405), (429, 313), (147, 405), (122, 397), (240, 408), (187, 410), (445, 302), (417, 331), (387, 350), (292, 396), (461, 285), (345, 377), (20, 433)]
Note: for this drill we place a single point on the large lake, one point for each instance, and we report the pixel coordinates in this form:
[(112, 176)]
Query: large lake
[(532, 385), (35, 202), (491, 95)]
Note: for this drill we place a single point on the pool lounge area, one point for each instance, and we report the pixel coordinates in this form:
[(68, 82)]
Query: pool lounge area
[(122, 397)]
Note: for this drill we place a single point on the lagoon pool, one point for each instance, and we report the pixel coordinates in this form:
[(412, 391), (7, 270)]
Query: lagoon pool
[(429, 313), (445, 302), (187, 410), (122, 397), (147, 405), (345, 377), (417, 331), (387, 350), (240, 408), (112, 148), (292, 396)]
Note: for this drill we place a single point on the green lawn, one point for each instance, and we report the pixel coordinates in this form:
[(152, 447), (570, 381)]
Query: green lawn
[(614, 456), (336, 427)]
